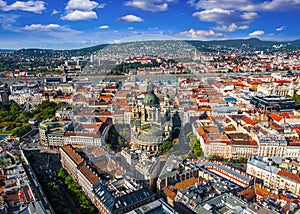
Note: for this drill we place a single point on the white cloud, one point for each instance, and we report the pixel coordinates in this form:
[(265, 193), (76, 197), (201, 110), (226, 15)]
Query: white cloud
[(200, 34), (257, 33), (249, 16), (29, 6), (242, 12), (247, 5), (104, 27), (101, 6), (77, 10), (222, 16), (213, 15), (281, 28), (54, 12), (130, 28), (150, 5), (217, 10), (78, 15), (6, 20), (231, 28), (83, 5), (153, 28), (64, 32), (223, 4), (117, 41), (130, 18), (40, 27), (279, 5), (2, 3)]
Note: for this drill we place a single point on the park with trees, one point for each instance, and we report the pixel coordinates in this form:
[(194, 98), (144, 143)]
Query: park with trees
[(14, 118)]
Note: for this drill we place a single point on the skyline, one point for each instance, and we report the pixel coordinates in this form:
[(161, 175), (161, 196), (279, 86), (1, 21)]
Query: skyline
[(69, 24)]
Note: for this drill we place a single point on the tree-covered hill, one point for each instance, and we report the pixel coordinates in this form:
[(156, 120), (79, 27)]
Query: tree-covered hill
[(251, 44)]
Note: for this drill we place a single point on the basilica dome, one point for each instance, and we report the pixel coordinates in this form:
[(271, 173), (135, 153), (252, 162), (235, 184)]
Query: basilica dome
[(151, 99)]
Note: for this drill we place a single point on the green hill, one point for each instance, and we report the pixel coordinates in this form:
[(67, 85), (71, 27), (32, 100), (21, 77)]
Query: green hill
[(251, 44)]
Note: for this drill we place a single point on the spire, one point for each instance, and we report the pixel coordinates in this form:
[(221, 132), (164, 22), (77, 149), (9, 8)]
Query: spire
[(150, 88)]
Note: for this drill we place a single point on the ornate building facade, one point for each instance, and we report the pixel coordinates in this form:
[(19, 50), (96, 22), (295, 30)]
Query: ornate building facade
[(149, 128)]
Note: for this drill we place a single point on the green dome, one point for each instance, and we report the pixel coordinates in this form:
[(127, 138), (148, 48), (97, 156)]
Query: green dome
[(151, 99)]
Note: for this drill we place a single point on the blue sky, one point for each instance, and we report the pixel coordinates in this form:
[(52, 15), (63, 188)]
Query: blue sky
[(67, 24)]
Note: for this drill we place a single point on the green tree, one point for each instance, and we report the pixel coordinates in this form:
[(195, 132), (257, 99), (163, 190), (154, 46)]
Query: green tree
[(62, 173), (296, 98), (68, 180), (121, 141), (215, 157), (14, 109), (22, 130), (165, 147), (194, 144)]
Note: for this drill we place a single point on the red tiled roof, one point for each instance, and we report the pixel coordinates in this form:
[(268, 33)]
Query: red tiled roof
[(285, 115), (253, 143), (107, 113), (248, 193), (197, 89), (89, 174), (91, 126), (202, 134), (185, 184), (112, 165), (83, 90), (249, 121), (169, 193), (239, 84), (255, 83), (203, 100), (72, 154), (12, 196), (275, 117), (106, 96), (289, 175), (65, 97), (294, 143), (121, 95), (110, 87), (2, 188), (262, 191), (282, 81), (281, 197), (190, 109)]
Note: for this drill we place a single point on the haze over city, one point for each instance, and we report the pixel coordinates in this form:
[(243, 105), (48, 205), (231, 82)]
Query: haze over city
[(69, 24)]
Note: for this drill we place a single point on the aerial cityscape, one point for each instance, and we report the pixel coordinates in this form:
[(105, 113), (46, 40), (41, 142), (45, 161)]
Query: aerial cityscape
[(149, 107)]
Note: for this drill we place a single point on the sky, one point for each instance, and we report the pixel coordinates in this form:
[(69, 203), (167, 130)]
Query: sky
[(69, 24)]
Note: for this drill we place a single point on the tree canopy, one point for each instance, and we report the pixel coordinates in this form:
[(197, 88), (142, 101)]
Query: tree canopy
[(194, 144), (15, 118), (165, 147)]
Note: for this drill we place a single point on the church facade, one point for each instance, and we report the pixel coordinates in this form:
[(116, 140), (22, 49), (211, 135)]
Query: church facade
[(148, 127)]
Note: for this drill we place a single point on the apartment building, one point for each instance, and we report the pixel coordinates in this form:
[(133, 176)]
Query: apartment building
[(273, 177)]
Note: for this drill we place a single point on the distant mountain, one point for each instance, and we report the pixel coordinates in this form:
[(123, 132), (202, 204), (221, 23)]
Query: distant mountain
[(48, 53), (90, 49), (6, 51), (296, 43), (252, 44), (235, 43)]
